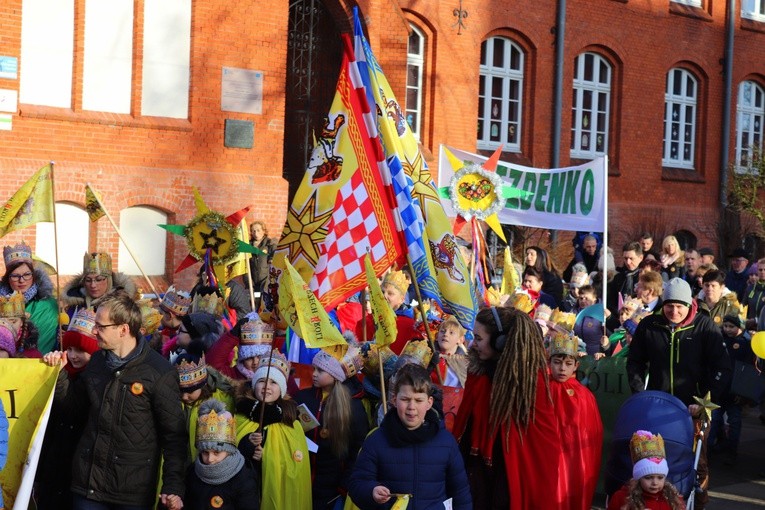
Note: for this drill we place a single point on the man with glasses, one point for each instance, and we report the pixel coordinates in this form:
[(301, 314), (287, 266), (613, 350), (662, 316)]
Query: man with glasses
[(738, 277), (132, 400), (96, 281)]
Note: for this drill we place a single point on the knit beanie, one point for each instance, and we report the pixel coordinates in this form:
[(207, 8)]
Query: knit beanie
[(329, 364), (216, 428), (255, 338), (677, 291), (647, 452), (7, 340), (280, 368), (735, 320)]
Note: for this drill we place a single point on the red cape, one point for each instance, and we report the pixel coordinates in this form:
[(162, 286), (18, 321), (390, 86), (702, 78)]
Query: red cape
[(581, 432), (406, 332), (531, 459)]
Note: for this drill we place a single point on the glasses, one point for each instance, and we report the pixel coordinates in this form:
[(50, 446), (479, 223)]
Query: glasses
[(99, 328), (21, 277), (182, 331), (97, 279)]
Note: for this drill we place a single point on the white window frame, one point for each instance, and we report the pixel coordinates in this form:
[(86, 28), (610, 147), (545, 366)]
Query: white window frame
[(753, 9), (692, 3), (415, 61), (597, 89), (749, 112), (507, 75), (148, 244), (683, 102)]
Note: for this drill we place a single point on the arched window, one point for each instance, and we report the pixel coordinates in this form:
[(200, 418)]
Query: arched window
[(750, 115), (415, 63), (500, 94), (147, 241), (680, 100), (590, 106), (73, 226)]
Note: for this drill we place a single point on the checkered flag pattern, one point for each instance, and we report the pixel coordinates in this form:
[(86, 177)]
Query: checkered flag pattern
[(353, 229)]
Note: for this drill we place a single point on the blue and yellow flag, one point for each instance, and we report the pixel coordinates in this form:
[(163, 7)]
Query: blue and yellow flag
[(31, 204), (384, 316)]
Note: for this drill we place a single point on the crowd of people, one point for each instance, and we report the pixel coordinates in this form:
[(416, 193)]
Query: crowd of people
[(172, 403)]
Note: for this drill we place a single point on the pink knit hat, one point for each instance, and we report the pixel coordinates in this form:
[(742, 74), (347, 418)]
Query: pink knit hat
[(7, 341)]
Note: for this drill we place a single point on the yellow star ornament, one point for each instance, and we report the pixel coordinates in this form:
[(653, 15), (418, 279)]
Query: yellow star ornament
[(707, 404)]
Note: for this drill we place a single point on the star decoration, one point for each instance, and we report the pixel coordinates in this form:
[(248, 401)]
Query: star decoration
[(423, 181), (304, 231), (211, 240), (707, 404)]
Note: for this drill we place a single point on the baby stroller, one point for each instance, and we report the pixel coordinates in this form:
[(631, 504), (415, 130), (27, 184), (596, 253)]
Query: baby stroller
[(660, 413)]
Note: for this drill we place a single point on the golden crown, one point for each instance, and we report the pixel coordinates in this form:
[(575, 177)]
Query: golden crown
[(20, 252), (565, 320), (216, 428), (97, 263), (176, 301), (371, 360), (521, 301), (13, 305), (398, 280), (192, 374), (645, 445), (210, 303), (563, 343), (419, 350), (543, 312), (256, 332), (83, 321), (150, 317), (633, 304), (349, 357)]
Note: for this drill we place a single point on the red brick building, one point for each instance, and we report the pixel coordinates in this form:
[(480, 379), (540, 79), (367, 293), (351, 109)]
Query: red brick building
[(139, 99)]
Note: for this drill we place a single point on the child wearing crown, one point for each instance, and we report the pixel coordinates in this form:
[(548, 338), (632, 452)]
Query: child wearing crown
[(579, 423), (24, 333), (342, 417), (250, 338), (276, 447), (648, 487), (219, 477)]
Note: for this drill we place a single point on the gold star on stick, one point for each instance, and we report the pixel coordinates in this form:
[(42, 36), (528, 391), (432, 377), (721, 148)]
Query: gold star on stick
[(707, 404)]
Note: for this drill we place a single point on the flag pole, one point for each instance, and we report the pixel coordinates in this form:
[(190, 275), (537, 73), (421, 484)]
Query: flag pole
[(247, 257), (604, 253), (55, 249), (421, 305), (116, 228)]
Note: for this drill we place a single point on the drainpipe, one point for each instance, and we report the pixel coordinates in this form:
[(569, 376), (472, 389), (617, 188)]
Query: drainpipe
[(560, 36), (730, 26)]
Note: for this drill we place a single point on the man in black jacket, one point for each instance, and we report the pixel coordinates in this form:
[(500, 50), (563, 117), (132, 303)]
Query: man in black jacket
[(684, 354), (131, 397)]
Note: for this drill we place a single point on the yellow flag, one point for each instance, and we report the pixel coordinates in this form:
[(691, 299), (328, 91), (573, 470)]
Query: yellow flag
[(93, 204), (26, 393), (303, 313), (402, 502), (239, 266), (383, 314), (509, 280), (32, 203)]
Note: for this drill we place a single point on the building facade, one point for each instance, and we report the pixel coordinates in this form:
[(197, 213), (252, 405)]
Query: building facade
[(147, 99)]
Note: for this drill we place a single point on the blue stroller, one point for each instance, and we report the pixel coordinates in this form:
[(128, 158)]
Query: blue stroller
[(660, 413)]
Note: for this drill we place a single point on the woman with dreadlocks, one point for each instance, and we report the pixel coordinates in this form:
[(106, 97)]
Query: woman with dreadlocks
[(506, 425)]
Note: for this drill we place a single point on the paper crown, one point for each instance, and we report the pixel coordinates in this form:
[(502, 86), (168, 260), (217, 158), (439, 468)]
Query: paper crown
[(83, 321), (633, 304), (371, 360), (177, 302), (645, 445), (13, 305), (632, 323), (521, 301), (418, 350), (209, 303), (543, 313), (564, 320), (192, 375), (398, 280), (563, 343), (256, 332), (20, 252), (97, 263), (579, 279), (216, 428), (277, 360), (150, 317)]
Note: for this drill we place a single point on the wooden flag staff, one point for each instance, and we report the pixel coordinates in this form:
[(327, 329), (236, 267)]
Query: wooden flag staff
[(421, 305)]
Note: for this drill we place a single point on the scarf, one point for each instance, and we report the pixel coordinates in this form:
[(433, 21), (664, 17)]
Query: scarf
[(667, 260), (222, 472), (114, 362), (400, 436), (475, 409), (28, 294), (248, 374)]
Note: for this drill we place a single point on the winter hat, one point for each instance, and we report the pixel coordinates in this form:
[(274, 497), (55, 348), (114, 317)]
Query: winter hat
[(579, 276), (192, 371), (255, 338), (216, 428), (80, 331), (339, 361), (202, 326), (648, 457), (7, 340), (677, 291), (735, 320), (280, 369), (329, 364)]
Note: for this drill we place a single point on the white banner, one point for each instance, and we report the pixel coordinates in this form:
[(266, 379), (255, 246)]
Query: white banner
[(572, 198)]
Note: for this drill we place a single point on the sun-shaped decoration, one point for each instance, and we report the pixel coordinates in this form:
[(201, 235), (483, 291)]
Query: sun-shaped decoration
[(210, 230)]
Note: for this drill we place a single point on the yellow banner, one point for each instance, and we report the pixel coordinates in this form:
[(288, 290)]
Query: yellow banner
[(26, 392), (384, 316), (93, 205), (303, 313), (32, 203), (509, 277)]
